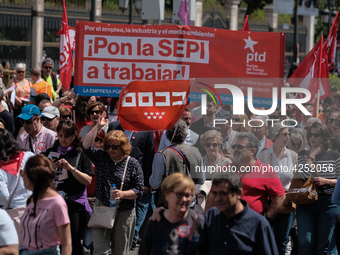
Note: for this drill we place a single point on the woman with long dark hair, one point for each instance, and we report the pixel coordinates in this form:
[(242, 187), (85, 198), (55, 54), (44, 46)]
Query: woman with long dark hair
[(45, 223), (74, 173)]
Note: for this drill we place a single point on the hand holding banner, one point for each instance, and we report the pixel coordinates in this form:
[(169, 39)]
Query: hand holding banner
[(152, 105)]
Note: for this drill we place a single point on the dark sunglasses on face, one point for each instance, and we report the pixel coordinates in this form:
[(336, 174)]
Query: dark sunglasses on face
[(208, 145), (28, 122), (98, 139), (238, 146), (47, 119), (187, 118), (20, 71), (180, 195), (316, 135), (66, 117), (96, 112), (296, 144), (48, 67), (113, 147)]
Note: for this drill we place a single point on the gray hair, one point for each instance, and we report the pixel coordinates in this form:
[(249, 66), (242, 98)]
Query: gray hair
[(233, 180), (181, 132), (263, 118), (20, 66), (48, 61), (300, 134), (211, 134), (275, 130), (253, 142)]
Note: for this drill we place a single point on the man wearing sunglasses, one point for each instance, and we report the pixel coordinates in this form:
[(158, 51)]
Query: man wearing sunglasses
[(51, 119), (37, 138), (50, 77)]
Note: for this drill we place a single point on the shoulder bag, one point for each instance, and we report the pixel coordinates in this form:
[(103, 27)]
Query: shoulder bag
[(103, 216)]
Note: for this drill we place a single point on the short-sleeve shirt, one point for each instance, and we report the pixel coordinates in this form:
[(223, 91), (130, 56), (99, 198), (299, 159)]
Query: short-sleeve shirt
[(41, 231), (7, 229)]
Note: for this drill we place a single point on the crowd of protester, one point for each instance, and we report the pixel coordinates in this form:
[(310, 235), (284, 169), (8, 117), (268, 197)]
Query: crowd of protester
[(60, 153)]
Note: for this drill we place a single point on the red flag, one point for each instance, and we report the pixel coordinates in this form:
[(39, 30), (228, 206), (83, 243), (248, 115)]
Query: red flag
[(152, 105), (246, 24), (308, 73), (65, 56), (183, 13), (330, 44)]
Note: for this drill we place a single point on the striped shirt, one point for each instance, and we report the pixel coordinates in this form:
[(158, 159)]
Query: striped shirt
[(326, 165), (42, 141)]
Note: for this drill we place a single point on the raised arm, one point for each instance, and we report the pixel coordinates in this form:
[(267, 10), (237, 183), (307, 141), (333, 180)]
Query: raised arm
[(89, 138)]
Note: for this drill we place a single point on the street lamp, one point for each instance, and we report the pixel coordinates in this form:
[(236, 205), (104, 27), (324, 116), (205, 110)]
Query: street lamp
[(327, 16)]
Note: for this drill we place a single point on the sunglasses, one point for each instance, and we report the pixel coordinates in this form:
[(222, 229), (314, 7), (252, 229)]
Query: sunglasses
[(187, 118), (66, 117), (296, 144), (208, 145), (20, 71), (46, 119), (113, 147), (316, 135), (28, 122), (48, 67), (98, 139), (180, 195), (96, 112), (238, 146)]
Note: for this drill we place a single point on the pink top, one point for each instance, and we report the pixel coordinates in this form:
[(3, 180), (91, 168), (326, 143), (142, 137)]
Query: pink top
[(41, 232), (43, 141)]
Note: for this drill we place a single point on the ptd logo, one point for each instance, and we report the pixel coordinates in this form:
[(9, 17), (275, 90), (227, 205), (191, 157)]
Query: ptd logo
[(254, 56)]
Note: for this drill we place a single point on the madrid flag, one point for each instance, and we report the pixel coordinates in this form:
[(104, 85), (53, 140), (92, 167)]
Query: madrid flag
[(330, 44), (309, 76), (152, 105), (65, 56)]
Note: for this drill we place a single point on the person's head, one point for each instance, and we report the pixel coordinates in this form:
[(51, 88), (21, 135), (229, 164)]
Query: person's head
[(186, 116), (68, 134), (94, 110), (30, 119), (318, 135), (211, 107), (117, 145), (99, 140), (327, 113), (38, 176), (47, 66), (51, 117), (245, 148), (279, 134), (331, 120), (226, 117), (310, 108), (259, 126), (35, 74), (243, 119), (178, 190), (226, 192), (328, 101), (291, 110), (41, 97), (6, 64), (178, 133), (297, 140), (20, 69), (211, 141), (91, 100), (8, 145), (65, 113), (310, 121), (44, 103)]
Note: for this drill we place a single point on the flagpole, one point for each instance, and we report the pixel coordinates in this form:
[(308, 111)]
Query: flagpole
[(319, 79)]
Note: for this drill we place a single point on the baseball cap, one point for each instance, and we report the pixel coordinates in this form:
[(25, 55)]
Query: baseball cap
[(28, 111), (51, 112)]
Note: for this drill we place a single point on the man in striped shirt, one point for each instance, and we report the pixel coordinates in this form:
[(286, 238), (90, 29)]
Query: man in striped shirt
[(37, 138)]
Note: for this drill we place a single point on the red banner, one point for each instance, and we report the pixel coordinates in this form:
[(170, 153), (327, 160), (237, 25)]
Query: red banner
[(110, 56), (152, 105)]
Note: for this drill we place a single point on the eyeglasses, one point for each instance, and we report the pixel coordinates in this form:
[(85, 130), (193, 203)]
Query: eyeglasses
[(238, 147), (316, 135), (47, 67), (28, 122), (98, 139), (180, 195), (208, 145), (187, 118), (66, 117), (20, 71), (297, 144), (47, 119), (96, 112), (113, 147), (285, 134)]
